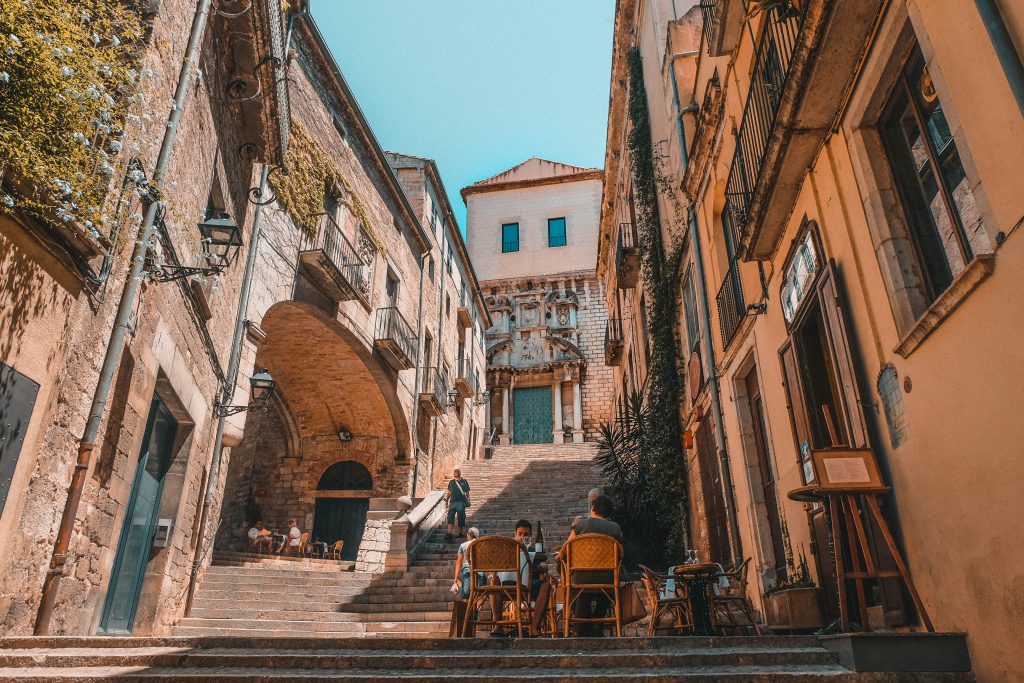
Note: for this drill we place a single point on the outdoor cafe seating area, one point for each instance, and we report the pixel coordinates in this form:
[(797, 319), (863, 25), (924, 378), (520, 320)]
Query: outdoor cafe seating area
[(271, 542), (689, 599)]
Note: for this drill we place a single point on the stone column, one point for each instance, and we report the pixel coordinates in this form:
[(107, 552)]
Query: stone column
[(577, 413), (505, 438), (557, 433)]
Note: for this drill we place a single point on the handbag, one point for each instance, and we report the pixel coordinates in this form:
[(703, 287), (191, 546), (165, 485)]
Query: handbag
[(465, 493), (631, 603)]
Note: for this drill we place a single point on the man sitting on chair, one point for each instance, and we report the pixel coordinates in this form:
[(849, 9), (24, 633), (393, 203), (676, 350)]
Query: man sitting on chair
[(292, 539), (259, 537), (598, 522), (540, 589)]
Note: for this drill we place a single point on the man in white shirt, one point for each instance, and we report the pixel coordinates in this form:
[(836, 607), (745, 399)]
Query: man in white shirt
[(259, 537), (539, 588), (461, 583), (292, 540)]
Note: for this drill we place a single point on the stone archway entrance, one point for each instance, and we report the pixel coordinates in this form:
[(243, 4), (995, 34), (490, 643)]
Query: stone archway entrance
[(342, 501)]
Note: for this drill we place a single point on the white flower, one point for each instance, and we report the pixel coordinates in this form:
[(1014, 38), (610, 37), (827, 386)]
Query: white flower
[(115, 146), (67, 72), (14, 40), (115, 41), (86, 18), (95, 39), (8, 200), (5, 77), (62, 185)]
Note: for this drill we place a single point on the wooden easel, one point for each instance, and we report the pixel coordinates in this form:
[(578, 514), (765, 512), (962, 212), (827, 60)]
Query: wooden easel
[(848, 482)]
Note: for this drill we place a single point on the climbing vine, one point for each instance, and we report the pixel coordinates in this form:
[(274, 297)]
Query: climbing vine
[(311, 173), (69, 80), (642, 453)]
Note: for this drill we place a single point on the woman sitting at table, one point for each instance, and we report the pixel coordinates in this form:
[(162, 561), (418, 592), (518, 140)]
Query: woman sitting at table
[(292, 539), (598, 522)]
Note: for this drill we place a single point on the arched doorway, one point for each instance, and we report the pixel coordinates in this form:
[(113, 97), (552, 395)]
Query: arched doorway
[(342, 501)]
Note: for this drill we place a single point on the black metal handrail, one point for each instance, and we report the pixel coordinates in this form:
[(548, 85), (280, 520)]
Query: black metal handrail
[(627, 240), (613, 332), (332, 241), (731, 309), (393, 326), (436, 382), (772, 63)]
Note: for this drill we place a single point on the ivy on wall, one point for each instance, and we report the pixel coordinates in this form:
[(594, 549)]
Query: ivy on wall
[(68, 82), (642, 452), (311, 174)]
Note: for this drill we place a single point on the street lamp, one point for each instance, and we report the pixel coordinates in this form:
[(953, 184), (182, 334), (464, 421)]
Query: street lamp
[(261, 388), (221, 240), (482, 398)]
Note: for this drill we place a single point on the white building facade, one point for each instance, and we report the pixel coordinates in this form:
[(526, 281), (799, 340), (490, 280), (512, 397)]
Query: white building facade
[(532, 233)]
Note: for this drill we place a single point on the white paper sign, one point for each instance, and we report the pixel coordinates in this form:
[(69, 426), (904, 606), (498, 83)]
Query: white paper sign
[(847, 471)]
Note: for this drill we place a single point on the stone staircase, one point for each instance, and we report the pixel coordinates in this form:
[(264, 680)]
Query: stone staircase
[(249, 595), (733, 660)]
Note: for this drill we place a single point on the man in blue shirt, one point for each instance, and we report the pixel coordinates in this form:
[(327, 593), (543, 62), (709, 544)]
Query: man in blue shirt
[(457, 496)]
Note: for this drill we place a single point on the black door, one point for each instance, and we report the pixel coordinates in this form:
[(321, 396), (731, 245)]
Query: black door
[(341, 519)]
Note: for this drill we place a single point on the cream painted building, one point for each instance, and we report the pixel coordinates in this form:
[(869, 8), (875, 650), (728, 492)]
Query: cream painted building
[(532, 235), (853, 200)]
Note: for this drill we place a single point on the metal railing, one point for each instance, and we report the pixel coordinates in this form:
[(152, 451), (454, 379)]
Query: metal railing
[(772, 63), (613, 332), (627, 240), (731, 309), (711, 13), (391, 325), (332, 241), (436, 382), (509, 246)]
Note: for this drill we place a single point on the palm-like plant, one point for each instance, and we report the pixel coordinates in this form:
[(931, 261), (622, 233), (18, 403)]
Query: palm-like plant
[(784, 8)]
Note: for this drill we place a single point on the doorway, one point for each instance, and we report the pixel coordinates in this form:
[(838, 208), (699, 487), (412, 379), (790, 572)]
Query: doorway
[(531, 417), (711, 493), (137, 533), (769, 492), (343, 500)]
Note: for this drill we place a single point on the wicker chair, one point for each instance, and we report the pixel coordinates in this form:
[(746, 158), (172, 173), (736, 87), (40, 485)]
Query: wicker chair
[(334, 552), (677, 606), (590, 553), (733, 610), (492, 554), (300, 549)]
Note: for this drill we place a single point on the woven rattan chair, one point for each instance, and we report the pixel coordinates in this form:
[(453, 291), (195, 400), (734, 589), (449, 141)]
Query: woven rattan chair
[(492, 554), (590, 553), (676, 605), (334, 552), (733, 610)]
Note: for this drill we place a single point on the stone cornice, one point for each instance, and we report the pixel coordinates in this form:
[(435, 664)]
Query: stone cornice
[(596, 174)]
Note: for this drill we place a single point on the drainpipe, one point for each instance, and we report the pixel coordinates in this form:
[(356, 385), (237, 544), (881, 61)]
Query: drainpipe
[(693, 106), (115, 346), (1005, 50), (227, 391), (716, 399), (416, 382)]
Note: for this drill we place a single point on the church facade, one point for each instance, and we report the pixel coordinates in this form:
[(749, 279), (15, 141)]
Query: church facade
[(532, 234)]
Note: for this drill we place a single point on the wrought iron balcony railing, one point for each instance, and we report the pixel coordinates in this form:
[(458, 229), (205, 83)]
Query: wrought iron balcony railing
[(627, 256), (613, 341), (731, 309), (394, 337), (335, 262), (509, 246), (772, 63), (434, 391)]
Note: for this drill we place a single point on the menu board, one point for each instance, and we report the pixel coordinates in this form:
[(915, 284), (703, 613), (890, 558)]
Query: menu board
[(840, 470)]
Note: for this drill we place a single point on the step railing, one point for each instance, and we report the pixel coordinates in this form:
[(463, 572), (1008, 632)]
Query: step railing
[(411, 530)]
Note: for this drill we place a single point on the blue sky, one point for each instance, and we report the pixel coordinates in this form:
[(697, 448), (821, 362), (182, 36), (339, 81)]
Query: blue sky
[(477, 85)]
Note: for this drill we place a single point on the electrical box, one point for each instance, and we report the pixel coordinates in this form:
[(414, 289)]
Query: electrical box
[(163, 533)]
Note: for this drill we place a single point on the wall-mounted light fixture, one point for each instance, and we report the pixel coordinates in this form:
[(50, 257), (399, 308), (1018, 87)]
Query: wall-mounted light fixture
[(482, 398), (261, 388), (221, 240), (344, 435)]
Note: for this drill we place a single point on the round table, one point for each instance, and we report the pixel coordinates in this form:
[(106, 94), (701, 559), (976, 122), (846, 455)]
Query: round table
[(697, 578)]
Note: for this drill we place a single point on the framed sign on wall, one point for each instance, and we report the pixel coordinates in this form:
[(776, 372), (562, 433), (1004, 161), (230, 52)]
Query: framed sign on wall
[(847, 470)]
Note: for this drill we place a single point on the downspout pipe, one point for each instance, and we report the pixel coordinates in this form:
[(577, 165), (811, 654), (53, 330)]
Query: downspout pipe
[(1005, 50), (115, 346), (680, 131), (227, 391), (716, 400), (424, 257)]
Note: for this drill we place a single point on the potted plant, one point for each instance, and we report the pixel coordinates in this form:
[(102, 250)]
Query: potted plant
[(794, 603)]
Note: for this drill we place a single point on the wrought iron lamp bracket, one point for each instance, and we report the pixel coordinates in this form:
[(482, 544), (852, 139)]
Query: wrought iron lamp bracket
[(256, 193)]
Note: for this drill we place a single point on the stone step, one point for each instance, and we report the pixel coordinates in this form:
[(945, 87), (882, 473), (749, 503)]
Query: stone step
[(307, 627), (269, 615)]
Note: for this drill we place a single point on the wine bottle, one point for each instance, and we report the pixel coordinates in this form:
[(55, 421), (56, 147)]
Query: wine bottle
[(539, 544)]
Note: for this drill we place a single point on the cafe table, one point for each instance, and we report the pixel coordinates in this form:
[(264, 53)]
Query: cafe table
[(698, 578)]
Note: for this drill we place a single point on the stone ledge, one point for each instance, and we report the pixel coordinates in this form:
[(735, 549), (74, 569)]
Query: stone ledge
[(966, 282), (900, 652)]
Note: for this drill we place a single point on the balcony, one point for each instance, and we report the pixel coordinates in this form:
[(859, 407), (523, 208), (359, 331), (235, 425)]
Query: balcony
[(613, 342), (627, 257), (796, 93), (723, 21), (394, 339), (731, 309), (464, 313), (434, 392), (334, 265), (462, 383)]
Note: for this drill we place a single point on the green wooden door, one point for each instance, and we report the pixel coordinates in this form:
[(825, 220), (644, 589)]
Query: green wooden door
[(531, 419), (133, 549), (341, 519)]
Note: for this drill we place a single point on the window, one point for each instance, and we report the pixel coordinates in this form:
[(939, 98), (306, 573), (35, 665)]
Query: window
[(391, 289), (892, 404), (941, 211), (556, 232), (449, 258), (690, 310), (447, 306), (509, 237)]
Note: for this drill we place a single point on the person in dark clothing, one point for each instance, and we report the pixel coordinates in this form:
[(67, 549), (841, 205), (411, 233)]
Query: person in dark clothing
[(457, 497), (596, 605)]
